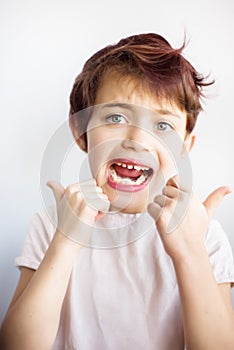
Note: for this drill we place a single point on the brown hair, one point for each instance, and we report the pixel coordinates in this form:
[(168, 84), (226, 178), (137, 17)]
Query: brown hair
[(150, 59)]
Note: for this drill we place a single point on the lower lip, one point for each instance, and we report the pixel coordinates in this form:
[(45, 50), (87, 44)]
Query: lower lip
[(126, 188)]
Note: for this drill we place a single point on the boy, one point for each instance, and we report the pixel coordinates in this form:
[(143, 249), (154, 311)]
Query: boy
[(170, 289)]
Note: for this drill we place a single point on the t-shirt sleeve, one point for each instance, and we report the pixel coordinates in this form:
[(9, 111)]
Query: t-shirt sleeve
[(38, 238), (220, 253)]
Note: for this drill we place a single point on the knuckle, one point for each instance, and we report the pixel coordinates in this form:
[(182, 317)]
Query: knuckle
[(98, 189), (163, 218), (83, 204), (165, 190), (87, 210), (70, 189), (157, 198)]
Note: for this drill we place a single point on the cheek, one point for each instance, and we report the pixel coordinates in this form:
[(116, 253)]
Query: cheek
[(101, 136), (93, 139), (167, 164), (170, 152), (99, 154), (96, 154)]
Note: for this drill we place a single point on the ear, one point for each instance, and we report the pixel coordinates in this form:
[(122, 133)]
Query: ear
[(189, 141), (81, 142)]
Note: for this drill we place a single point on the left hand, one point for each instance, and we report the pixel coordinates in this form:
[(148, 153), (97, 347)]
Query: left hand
[(182, 222)]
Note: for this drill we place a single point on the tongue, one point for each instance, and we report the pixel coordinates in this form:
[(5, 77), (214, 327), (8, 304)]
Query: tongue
[(125, 172)]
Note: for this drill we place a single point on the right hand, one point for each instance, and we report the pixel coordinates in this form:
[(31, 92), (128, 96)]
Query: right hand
[(78, 206)]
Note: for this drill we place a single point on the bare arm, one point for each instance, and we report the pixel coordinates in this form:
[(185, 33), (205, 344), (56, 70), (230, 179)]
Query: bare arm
[(207, 311), (33, 317), (36, 309), (208, 316)]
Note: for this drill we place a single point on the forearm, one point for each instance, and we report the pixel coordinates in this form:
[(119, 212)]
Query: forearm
[(208, 323), (32, 322)]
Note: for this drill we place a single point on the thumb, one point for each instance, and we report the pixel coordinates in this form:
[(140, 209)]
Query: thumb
[(214, 199), (58, 190)]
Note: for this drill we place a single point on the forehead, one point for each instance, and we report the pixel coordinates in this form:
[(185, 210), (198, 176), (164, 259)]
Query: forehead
[(119, 88)]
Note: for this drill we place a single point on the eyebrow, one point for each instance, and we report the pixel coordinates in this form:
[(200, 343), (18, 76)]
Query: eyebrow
[(128, 106), (167, 112), (118, 104)]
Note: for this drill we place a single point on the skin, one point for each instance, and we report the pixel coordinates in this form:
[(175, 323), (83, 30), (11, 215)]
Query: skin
[(134, 137), (208, 315)]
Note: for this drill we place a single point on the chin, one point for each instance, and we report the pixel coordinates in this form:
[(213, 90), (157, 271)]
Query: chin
[(131, 209), (127, 202)]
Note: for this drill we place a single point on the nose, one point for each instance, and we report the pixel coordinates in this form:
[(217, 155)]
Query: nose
[(137, 139)]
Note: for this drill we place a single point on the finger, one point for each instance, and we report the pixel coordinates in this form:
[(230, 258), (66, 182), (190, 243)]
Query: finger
[(214, 199), (94, 194), (85, 186), (102, 205), (91, 182), (154, 210), (161, 200), (92, 199), (88, 189), (182, 183), (174, 181), (170, 191), (90, 185), (58, 190)]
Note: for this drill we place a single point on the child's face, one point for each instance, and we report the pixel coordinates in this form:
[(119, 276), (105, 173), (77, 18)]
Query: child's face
[(126, 137)]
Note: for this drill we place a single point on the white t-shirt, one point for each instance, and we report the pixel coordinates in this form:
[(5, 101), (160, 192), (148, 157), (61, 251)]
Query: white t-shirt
[(127, 297)]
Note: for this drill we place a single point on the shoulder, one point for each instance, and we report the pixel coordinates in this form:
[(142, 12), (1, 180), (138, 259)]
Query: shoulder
[(216, 235), (220, 253), (44, 221), (39, 235)]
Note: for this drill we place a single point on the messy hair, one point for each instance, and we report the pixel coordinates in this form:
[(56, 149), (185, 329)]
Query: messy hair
[(151, 60)]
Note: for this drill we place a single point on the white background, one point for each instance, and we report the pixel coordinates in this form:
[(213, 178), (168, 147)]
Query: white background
[(43, 47)]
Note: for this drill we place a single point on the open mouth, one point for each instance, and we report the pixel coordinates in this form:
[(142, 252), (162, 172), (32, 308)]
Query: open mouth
[(128, 176)]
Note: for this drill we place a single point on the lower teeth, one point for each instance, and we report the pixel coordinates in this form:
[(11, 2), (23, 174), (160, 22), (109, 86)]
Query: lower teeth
[(127, 180)]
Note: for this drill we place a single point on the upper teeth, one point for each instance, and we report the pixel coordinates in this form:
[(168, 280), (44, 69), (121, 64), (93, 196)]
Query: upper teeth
[(127, 181), (132, 166)]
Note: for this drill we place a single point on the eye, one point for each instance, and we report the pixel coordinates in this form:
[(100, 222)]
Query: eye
[(164, 127), (117, 119)]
